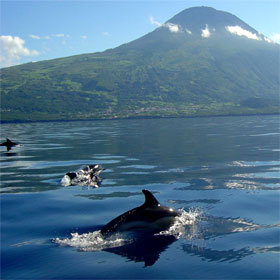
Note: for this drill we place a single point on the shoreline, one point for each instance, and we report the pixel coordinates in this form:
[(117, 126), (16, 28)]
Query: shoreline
[(140, 117)]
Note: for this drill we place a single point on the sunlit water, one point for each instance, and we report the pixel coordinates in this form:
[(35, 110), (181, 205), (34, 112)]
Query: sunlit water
[(221, 174)]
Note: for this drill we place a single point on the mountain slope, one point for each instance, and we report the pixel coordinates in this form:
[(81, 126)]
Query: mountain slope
[(200, 62)]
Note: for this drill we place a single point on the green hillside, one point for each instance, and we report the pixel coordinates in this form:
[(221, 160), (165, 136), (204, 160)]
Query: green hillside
[(163, 73)]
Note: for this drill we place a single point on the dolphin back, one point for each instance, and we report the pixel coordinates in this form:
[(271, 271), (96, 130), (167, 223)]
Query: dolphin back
[(150, 216), (150, 200), (8, 143)]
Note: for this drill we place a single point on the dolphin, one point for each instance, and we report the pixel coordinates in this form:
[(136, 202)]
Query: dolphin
[(9, 144), (87, 176), (150, 217)]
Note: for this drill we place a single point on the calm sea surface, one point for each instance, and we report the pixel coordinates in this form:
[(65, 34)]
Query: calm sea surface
[(223, 173)]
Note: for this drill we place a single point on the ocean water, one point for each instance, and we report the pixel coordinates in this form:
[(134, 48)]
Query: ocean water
[(221, 174)]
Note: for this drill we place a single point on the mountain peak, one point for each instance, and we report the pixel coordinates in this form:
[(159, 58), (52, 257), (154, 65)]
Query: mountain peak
[(197, 18), (206, 21), (195, 24)]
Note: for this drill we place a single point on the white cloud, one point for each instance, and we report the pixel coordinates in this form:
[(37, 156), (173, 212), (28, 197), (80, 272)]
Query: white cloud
[(47, 37), (268, 40), (205, 33), (237, 30), (275, 37), (171, 26), (12, 49), (34, 37), (154, 22), (84, 37), (188, 31), (59, 35)]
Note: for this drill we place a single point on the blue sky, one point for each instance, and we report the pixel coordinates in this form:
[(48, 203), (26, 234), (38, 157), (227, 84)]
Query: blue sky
[(39, 30)]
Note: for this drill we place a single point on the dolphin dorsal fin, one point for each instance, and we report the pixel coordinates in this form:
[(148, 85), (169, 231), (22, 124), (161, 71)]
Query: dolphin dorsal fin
[(150, 200)]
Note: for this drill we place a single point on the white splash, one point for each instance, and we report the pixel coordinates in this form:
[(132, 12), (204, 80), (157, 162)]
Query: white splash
[(184, 226), (87, 176), (92, 241)]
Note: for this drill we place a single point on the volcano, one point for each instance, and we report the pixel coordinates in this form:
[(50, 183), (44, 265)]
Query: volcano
[(201, 62)]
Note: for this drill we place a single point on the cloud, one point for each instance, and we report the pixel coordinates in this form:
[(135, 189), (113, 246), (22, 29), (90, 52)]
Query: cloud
[(171, 26), (84, 37), (105, 33), (47, 37), (34, 37), (59, 35), (63, 38), (154, 22), (268, 40), (205, 33), (275, 37), (237, 30), (12, 49)]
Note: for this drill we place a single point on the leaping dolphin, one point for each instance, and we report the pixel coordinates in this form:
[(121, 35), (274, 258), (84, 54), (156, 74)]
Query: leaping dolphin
[(150, 217), (87, 176), (9, 144)]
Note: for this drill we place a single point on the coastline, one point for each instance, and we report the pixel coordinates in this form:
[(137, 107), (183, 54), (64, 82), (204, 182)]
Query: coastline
[(139, 117)]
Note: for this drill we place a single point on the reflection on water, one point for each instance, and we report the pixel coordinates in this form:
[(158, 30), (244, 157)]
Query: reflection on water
[(195, 201), (110, 195), (192, 227), (234, 175), (134, 246), (231, 255), (225, 169), (216, 226), (146, 250)]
